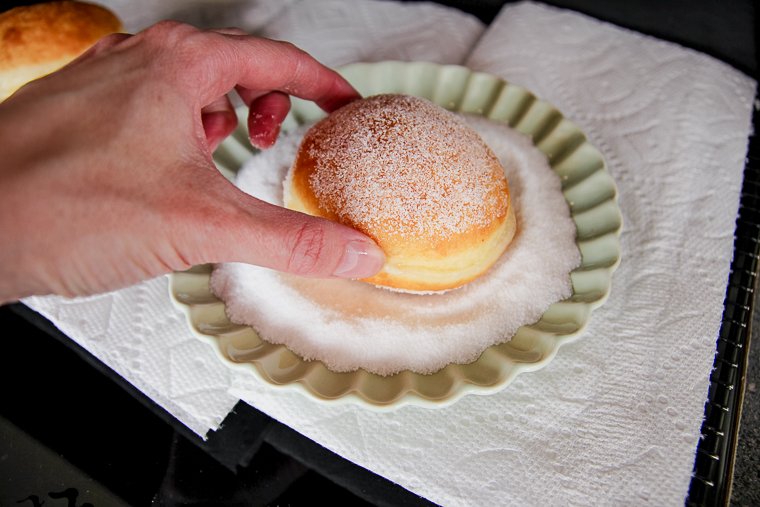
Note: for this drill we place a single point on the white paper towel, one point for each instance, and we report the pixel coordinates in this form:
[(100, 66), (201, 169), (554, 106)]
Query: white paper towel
[(337, 32), (248, 15), (614, 418)]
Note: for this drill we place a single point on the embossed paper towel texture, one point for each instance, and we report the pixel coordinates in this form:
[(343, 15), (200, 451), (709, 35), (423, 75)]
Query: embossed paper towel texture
[(615, 417), (673, 126), (137, 331), (337, 32)]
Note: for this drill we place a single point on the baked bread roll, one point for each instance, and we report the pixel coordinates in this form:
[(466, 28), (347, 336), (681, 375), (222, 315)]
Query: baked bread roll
[(39, 39), (417, 180)]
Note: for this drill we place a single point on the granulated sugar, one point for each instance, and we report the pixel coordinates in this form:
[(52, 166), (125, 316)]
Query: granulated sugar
[(350, 325)]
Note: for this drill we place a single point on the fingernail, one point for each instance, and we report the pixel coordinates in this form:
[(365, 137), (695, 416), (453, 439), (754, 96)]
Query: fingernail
[(264, 134), (361, 259)]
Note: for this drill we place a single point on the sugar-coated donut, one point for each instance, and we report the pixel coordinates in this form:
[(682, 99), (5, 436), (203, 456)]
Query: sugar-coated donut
[(38, 39), (413, 177)]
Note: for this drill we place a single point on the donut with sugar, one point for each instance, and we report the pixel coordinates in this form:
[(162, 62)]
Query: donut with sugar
[(417, 180)]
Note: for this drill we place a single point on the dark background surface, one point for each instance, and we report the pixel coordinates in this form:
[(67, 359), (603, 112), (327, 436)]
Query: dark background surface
[(746, 487), (78, 419)]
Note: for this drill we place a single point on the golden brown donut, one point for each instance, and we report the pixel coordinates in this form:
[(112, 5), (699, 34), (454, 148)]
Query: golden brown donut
[(413, 177), (39, 39)]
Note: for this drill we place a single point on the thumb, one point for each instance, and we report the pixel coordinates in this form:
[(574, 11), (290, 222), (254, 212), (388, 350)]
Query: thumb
[(256, 232)]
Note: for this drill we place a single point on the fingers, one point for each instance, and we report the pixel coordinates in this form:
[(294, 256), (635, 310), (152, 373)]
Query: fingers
[(209, 64), (263, 65), (265, 116), (255, 232), (219, 120), (232, 226)]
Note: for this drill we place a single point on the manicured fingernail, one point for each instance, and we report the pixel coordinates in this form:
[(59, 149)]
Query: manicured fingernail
[(361, 259)]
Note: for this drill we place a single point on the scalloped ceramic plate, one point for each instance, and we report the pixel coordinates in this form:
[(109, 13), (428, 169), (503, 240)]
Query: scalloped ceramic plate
[(588, 189)]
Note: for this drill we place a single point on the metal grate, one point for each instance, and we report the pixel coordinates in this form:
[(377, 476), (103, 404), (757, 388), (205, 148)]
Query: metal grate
[(713, 466)]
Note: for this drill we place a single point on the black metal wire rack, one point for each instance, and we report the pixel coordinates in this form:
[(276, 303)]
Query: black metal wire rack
[(713, 466)]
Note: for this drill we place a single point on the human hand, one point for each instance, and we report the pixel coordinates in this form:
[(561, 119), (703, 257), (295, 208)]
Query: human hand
[(107, 176)]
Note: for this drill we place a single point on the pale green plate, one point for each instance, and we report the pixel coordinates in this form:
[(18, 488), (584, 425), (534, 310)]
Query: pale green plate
[(587, 186)]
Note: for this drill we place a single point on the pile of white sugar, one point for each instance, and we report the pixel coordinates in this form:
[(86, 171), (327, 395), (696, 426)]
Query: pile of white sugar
[(350, 325)]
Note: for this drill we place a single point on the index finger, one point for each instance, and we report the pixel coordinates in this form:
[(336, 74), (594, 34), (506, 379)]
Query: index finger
[(264, 65)]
